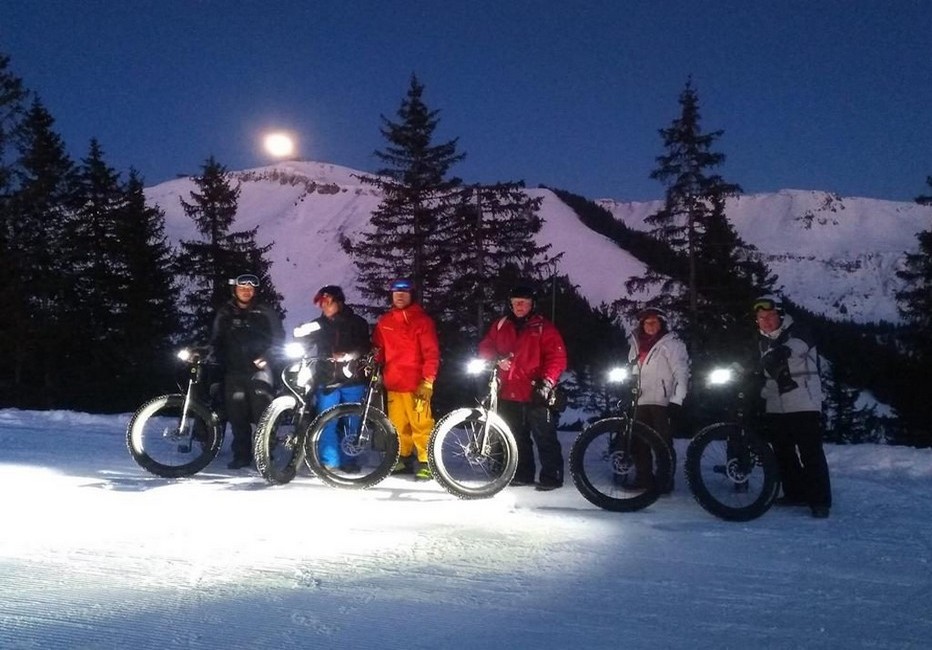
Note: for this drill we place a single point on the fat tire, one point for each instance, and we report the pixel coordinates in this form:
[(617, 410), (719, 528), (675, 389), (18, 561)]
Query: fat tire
[(596, 469), (382, 454), (142, 432), (450, 461), (714, 488), (280, 412)]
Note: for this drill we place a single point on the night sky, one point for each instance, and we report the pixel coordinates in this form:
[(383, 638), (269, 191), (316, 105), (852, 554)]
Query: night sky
[(831, 95)]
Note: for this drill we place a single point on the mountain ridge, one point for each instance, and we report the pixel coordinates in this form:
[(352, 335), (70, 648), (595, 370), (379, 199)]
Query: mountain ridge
[(852, 245)]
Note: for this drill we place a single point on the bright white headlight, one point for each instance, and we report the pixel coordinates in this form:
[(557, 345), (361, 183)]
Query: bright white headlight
[(476, 366), (720, 376), (294, 350), (618, 375)]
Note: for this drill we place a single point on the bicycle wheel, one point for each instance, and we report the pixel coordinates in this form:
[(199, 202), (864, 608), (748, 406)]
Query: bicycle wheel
[(458, 463), (732, 476), (166, 444), (278, 444), (604, 468), (369, 447)]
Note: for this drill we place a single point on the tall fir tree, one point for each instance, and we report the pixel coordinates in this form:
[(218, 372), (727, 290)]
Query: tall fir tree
[(95, 251), (147, 294), (715, 275), (914, 302), (13, 96), (418, 199), (40, 210), (491, 242), (223, 253)]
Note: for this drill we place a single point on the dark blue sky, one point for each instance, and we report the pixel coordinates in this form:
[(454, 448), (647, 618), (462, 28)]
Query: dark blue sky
[(831, 95)]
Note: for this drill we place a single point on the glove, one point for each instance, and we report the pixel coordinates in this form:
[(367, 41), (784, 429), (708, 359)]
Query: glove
[(774, 360), (424, 391), (543, 390)]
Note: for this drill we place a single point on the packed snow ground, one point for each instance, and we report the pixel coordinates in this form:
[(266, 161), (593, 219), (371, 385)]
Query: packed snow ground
[(96, 553)]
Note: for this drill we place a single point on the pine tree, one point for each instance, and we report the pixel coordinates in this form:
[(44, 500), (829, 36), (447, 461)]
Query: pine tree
[(12, 293), (714, 275), (149, 322), (914, 302), (95, 247), (43, 294), (492, 247), (208, 264), (418, 199)]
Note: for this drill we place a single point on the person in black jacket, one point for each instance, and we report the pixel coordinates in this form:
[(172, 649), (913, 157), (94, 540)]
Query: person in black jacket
[(245, 339), (342, 339)]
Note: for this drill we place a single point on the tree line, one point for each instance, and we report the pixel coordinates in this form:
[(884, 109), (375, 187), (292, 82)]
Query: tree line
[(98, 297)]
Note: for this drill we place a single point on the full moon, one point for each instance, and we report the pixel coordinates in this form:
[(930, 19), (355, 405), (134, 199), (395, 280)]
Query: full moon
[(279, 145)]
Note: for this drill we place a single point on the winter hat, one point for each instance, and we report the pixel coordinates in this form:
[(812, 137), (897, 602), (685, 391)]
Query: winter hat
[(332, 291), (647, 312), (522, 291)]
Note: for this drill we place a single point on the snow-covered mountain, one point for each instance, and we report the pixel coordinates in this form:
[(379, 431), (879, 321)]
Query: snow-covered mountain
[(835, 256)]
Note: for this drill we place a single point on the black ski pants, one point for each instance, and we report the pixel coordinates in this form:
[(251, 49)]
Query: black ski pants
[(532, 425), (797, 444), (245, 396)]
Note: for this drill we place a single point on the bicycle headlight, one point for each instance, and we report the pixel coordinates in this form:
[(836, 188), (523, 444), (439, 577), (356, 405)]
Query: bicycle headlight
[(294, 350), (719, 376), (476, 366)]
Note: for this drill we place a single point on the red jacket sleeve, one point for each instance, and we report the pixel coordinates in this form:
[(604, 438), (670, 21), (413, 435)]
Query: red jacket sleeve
[(553, 354), (430, 349)]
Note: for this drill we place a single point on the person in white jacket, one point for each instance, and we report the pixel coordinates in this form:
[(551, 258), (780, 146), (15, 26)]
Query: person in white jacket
[(793, 395), (663, 367)]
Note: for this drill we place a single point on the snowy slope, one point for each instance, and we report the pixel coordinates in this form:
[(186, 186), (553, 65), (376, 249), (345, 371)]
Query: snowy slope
[(95, 553), (849, 246), (306, 207), (835, 256)]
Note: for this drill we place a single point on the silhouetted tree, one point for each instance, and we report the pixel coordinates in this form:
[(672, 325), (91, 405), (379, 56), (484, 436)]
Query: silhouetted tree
[(12, 292), (708, 287), (208, 264), (39, 211), (418, 199), (492, 247)]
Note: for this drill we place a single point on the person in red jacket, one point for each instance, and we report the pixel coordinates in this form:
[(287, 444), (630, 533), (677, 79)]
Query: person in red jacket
[(531, 356), (410, 353)]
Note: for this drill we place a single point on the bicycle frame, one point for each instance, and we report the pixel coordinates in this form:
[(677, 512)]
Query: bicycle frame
[(373, 388), (489, 404), (629, 414), (191, 356), (740, 461)]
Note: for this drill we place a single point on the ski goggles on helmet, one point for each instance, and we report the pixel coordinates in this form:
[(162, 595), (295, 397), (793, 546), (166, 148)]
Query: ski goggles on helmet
[(402, 285), (246, 280), (765, 304)]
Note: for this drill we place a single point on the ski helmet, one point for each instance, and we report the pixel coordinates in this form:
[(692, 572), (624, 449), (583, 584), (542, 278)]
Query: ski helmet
[(402, 284), (767, 302)]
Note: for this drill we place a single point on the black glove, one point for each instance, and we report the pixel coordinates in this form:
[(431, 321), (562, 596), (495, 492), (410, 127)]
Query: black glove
[(543, 391), (774, 360)]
